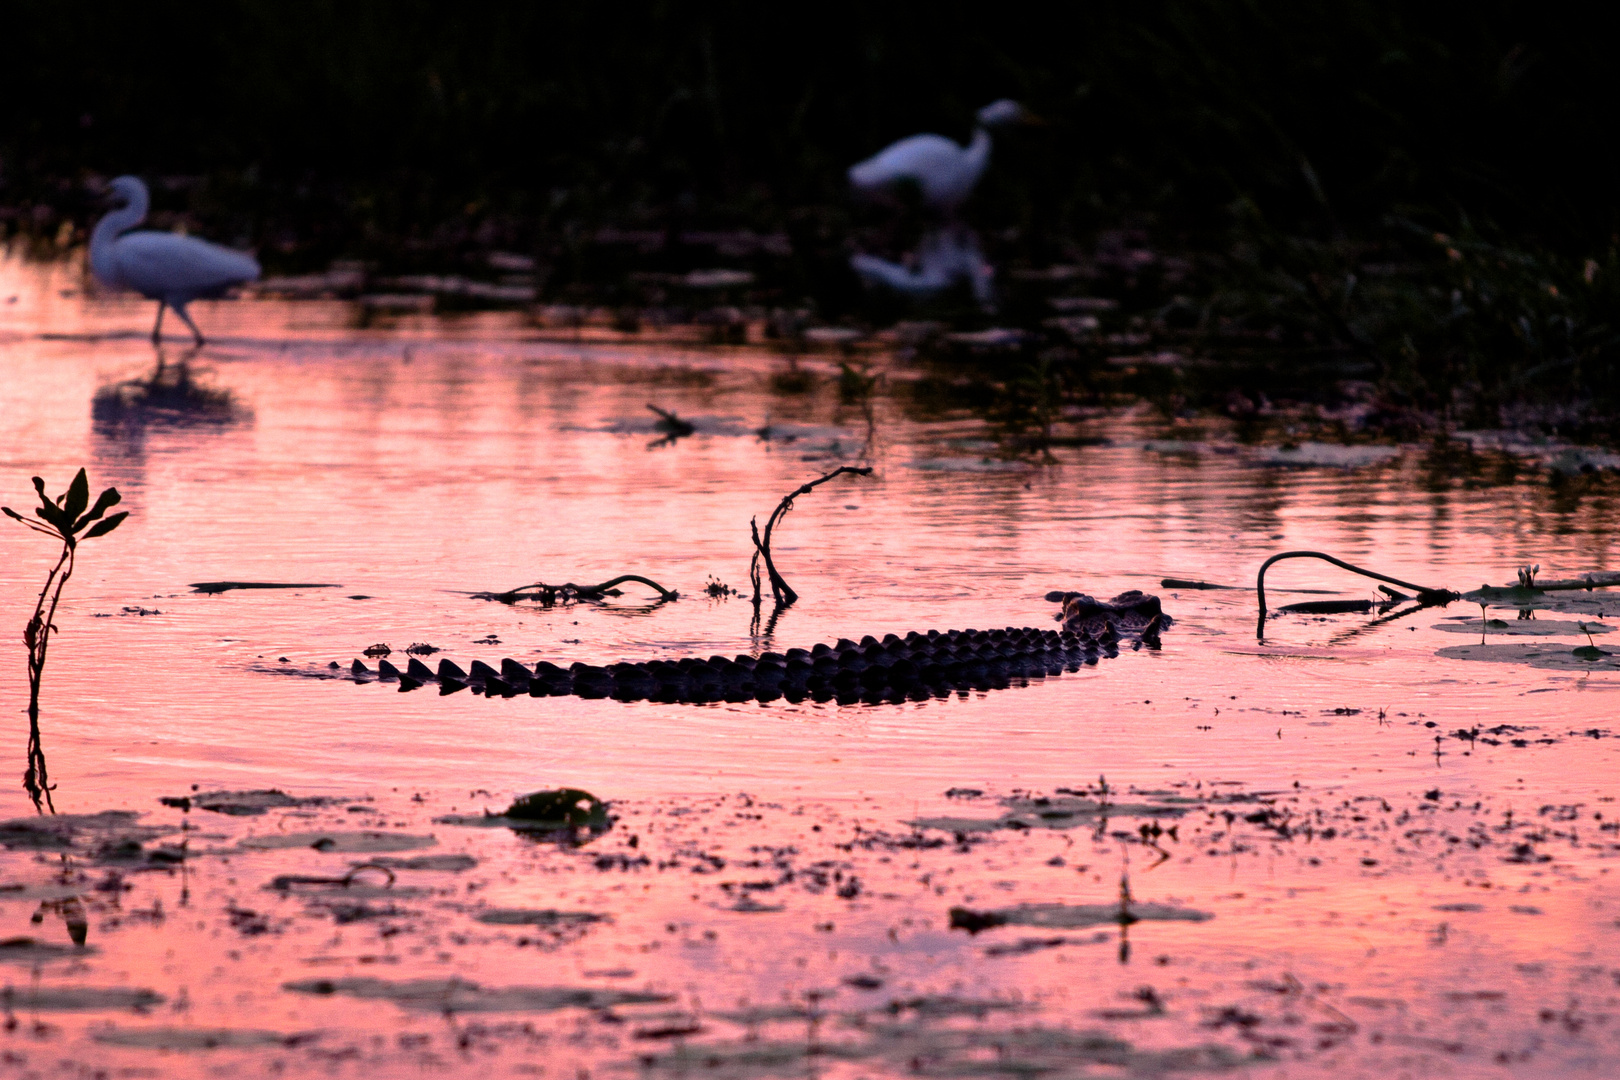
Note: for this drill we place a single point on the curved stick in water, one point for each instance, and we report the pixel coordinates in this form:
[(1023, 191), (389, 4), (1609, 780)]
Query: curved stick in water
[(1425, 595)]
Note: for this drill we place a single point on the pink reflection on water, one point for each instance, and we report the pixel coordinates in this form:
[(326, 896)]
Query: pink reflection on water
[(416, 463)]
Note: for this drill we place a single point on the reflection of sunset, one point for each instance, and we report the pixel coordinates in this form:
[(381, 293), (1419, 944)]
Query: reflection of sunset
[(415, 464)]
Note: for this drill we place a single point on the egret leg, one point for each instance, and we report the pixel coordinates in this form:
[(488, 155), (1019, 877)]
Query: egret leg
[(180, 310), (157, 327)]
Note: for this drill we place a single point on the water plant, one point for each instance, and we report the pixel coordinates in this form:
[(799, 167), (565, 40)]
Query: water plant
[(1589, 651), (70, 519)]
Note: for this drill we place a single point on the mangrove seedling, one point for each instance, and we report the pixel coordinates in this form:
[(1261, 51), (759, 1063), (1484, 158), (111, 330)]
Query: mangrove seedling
[(70, 519)]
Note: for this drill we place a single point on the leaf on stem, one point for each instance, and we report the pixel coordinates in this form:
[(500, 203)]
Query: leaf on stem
[(49, 511), (102, 528), (76, 498), (107, 499), (54, 517)]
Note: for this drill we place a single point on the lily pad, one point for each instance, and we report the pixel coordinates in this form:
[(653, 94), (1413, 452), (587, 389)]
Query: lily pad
[(31, 951), (1055, 812), (44, 890), (1331, 455), (79, 998), (1549, 656), (246, 803), (459, 995), (349, 843), (1522, 627), (1071, 916), (970, 465), (545, 917), (1598, 602), (947, 1006), (1025, 946), (171, 1038), (448, 863), (61, 831)]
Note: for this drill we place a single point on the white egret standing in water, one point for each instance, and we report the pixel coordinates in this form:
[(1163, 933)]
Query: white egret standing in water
[(945, 174), (945, 171), (174, 270)]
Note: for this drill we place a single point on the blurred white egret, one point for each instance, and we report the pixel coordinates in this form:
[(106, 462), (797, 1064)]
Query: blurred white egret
[(174, 270), (944, 170)]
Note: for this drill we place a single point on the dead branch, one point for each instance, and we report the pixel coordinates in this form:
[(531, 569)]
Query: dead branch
[(550, 594), (670, 424), (1524, 593), (1601, 579), (780, 589)]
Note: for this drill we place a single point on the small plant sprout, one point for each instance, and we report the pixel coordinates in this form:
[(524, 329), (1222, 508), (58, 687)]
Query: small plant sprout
[(70, 519), (1527, 575)]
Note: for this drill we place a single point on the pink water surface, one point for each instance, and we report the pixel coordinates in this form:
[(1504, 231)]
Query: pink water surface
[(415, 463)]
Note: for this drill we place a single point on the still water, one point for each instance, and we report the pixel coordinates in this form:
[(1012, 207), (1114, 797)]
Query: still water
[(1351, 887)]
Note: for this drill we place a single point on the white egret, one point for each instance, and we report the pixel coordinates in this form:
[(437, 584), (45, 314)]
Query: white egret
[(174, 270), (945, 171)]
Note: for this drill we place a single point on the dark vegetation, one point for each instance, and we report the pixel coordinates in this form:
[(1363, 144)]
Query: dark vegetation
[(1410, 207)]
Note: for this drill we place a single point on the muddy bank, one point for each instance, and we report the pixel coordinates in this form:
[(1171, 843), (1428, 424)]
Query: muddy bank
[(1090, 926)]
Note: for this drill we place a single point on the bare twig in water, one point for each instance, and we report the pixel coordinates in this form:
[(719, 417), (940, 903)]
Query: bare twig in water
[(670, 427), (780, 589), (69, 522), (550, 594), (669, 423), (1425, 596)]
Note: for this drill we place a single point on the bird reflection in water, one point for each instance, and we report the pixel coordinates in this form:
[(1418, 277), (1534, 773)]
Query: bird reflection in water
[(170, 395), (943, 173), (946, 257), (70, 909)]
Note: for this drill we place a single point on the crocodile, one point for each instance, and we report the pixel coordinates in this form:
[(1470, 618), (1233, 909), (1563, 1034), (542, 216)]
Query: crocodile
[(915, 666)]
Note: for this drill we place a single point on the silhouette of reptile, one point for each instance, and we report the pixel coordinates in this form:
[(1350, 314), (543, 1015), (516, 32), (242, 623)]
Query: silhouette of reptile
[(916, 666)]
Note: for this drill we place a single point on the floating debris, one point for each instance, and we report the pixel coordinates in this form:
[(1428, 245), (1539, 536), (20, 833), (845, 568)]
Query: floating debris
[(1071, 916), (212, 587), (245, 803)]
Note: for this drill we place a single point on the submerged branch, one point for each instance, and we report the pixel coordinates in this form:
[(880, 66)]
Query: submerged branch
[(1524, 594), (1425, 596), (549, 594), (780, 589)]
